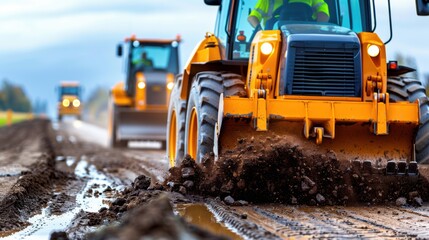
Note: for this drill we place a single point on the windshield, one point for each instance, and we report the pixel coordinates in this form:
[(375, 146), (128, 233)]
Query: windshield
[(69, 91), (150, 57), (261, 14)]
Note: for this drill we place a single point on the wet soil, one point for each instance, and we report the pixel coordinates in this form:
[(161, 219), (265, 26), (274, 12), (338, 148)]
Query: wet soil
[(275, 170), (32, 189), (130, 197), (54, 171), (65, 173), (138, 212)]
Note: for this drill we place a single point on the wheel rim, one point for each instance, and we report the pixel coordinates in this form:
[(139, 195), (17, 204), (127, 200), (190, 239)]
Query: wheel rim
[(193, 134), (172, 140)]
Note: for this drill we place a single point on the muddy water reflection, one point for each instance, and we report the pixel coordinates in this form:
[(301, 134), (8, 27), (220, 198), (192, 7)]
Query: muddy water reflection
[(41, 225), (201, 216)]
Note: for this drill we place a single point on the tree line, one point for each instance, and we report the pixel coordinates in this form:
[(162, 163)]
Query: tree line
[(13, 97)]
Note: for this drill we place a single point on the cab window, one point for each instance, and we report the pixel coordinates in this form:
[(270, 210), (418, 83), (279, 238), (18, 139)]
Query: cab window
[(221, 26), (351, 14)]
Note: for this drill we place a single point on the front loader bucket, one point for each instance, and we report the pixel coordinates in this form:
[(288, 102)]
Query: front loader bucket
[(133, 125), (353, 141)]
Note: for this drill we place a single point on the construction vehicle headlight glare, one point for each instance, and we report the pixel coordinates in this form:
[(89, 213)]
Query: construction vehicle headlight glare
[(141, 85), (373, 50), (76, 103), (170, 85), (66, 103), (266, 48)]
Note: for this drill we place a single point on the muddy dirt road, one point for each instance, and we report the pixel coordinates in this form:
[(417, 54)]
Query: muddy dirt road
[(59, 181)]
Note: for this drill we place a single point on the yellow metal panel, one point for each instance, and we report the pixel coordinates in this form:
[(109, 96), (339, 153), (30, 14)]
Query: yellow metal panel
[(69, 110), (207, 50), (119, 95), (294, 110), (238, 106), (381, 119), (261, 121), (263, 69), (374, 68), (403, 112), (169, 82), (140, 95)]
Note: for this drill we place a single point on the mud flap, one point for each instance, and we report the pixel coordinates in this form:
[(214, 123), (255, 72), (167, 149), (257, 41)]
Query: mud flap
[(218, 127)]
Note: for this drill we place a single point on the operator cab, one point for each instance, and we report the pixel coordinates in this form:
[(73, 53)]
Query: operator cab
[(71, 90), (151, 57), (236, 36)]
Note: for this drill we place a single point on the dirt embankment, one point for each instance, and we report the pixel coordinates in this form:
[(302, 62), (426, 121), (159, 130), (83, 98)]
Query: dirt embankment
[(32, 189), (274, 170)]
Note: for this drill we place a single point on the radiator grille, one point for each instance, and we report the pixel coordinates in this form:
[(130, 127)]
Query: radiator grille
[(156, 93), (326, 72)]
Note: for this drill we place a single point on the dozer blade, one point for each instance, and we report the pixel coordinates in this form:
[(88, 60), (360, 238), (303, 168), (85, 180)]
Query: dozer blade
[(135, 125), (353, 143)]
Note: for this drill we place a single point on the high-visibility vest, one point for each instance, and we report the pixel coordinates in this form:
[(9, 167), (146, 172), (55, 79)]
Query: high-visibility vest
[(145, 62), (264, 9)]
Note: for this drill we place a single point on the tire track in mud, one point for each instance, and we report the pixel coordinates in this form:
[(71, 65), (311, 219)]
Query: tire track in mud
[(31, 148), (339, 222), (249, 229)]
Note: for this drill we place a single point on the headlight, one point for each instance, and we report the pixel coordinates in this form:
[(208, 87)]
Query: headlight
[(76, 103), (373, 50), (66, 103), (141, 85), (170, 85), (266, 48)]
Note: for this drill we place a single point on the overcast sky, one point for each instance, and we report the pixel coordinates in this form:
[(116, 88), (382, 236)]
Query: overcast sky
[(45, 41)]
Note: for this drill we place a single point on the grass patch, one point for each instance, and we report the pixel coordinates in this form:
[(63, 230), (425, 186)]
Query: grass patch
[(16, 117)]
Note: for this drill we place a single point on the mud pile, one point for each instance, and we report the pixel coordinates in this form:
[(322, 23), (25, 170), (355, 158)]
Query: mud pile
[(275, 170), (138, 213)]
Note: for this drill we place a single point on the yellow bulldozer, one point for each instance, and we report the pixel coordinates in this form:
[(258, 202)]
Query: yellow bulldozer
[(69, 100), (324, 83), (138, 106)]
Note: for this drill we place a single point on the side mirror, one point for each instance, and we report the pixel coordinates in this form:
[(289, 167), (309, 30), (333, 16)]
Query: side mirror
[(422, 7), (213, 2), (119, 50)]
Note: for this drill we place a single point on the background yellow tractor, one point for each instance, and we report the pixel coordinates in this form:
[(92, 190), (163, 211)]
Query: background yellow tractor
[(138, 106), (69, 101), (323, 85)]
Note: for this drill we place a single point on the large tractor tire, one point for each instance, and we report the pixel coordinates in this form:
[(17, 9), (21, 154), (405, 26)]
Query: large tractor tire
[(175, 145), (410, 89), (202, 109)]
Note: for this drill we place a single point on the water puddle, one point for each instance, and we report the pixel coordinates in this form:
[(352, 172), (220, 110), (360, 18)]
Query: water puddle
[(69, 160), (59, 138), (77, 124), (43, 224), (72, 139), (12, 170), (201, 216)]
